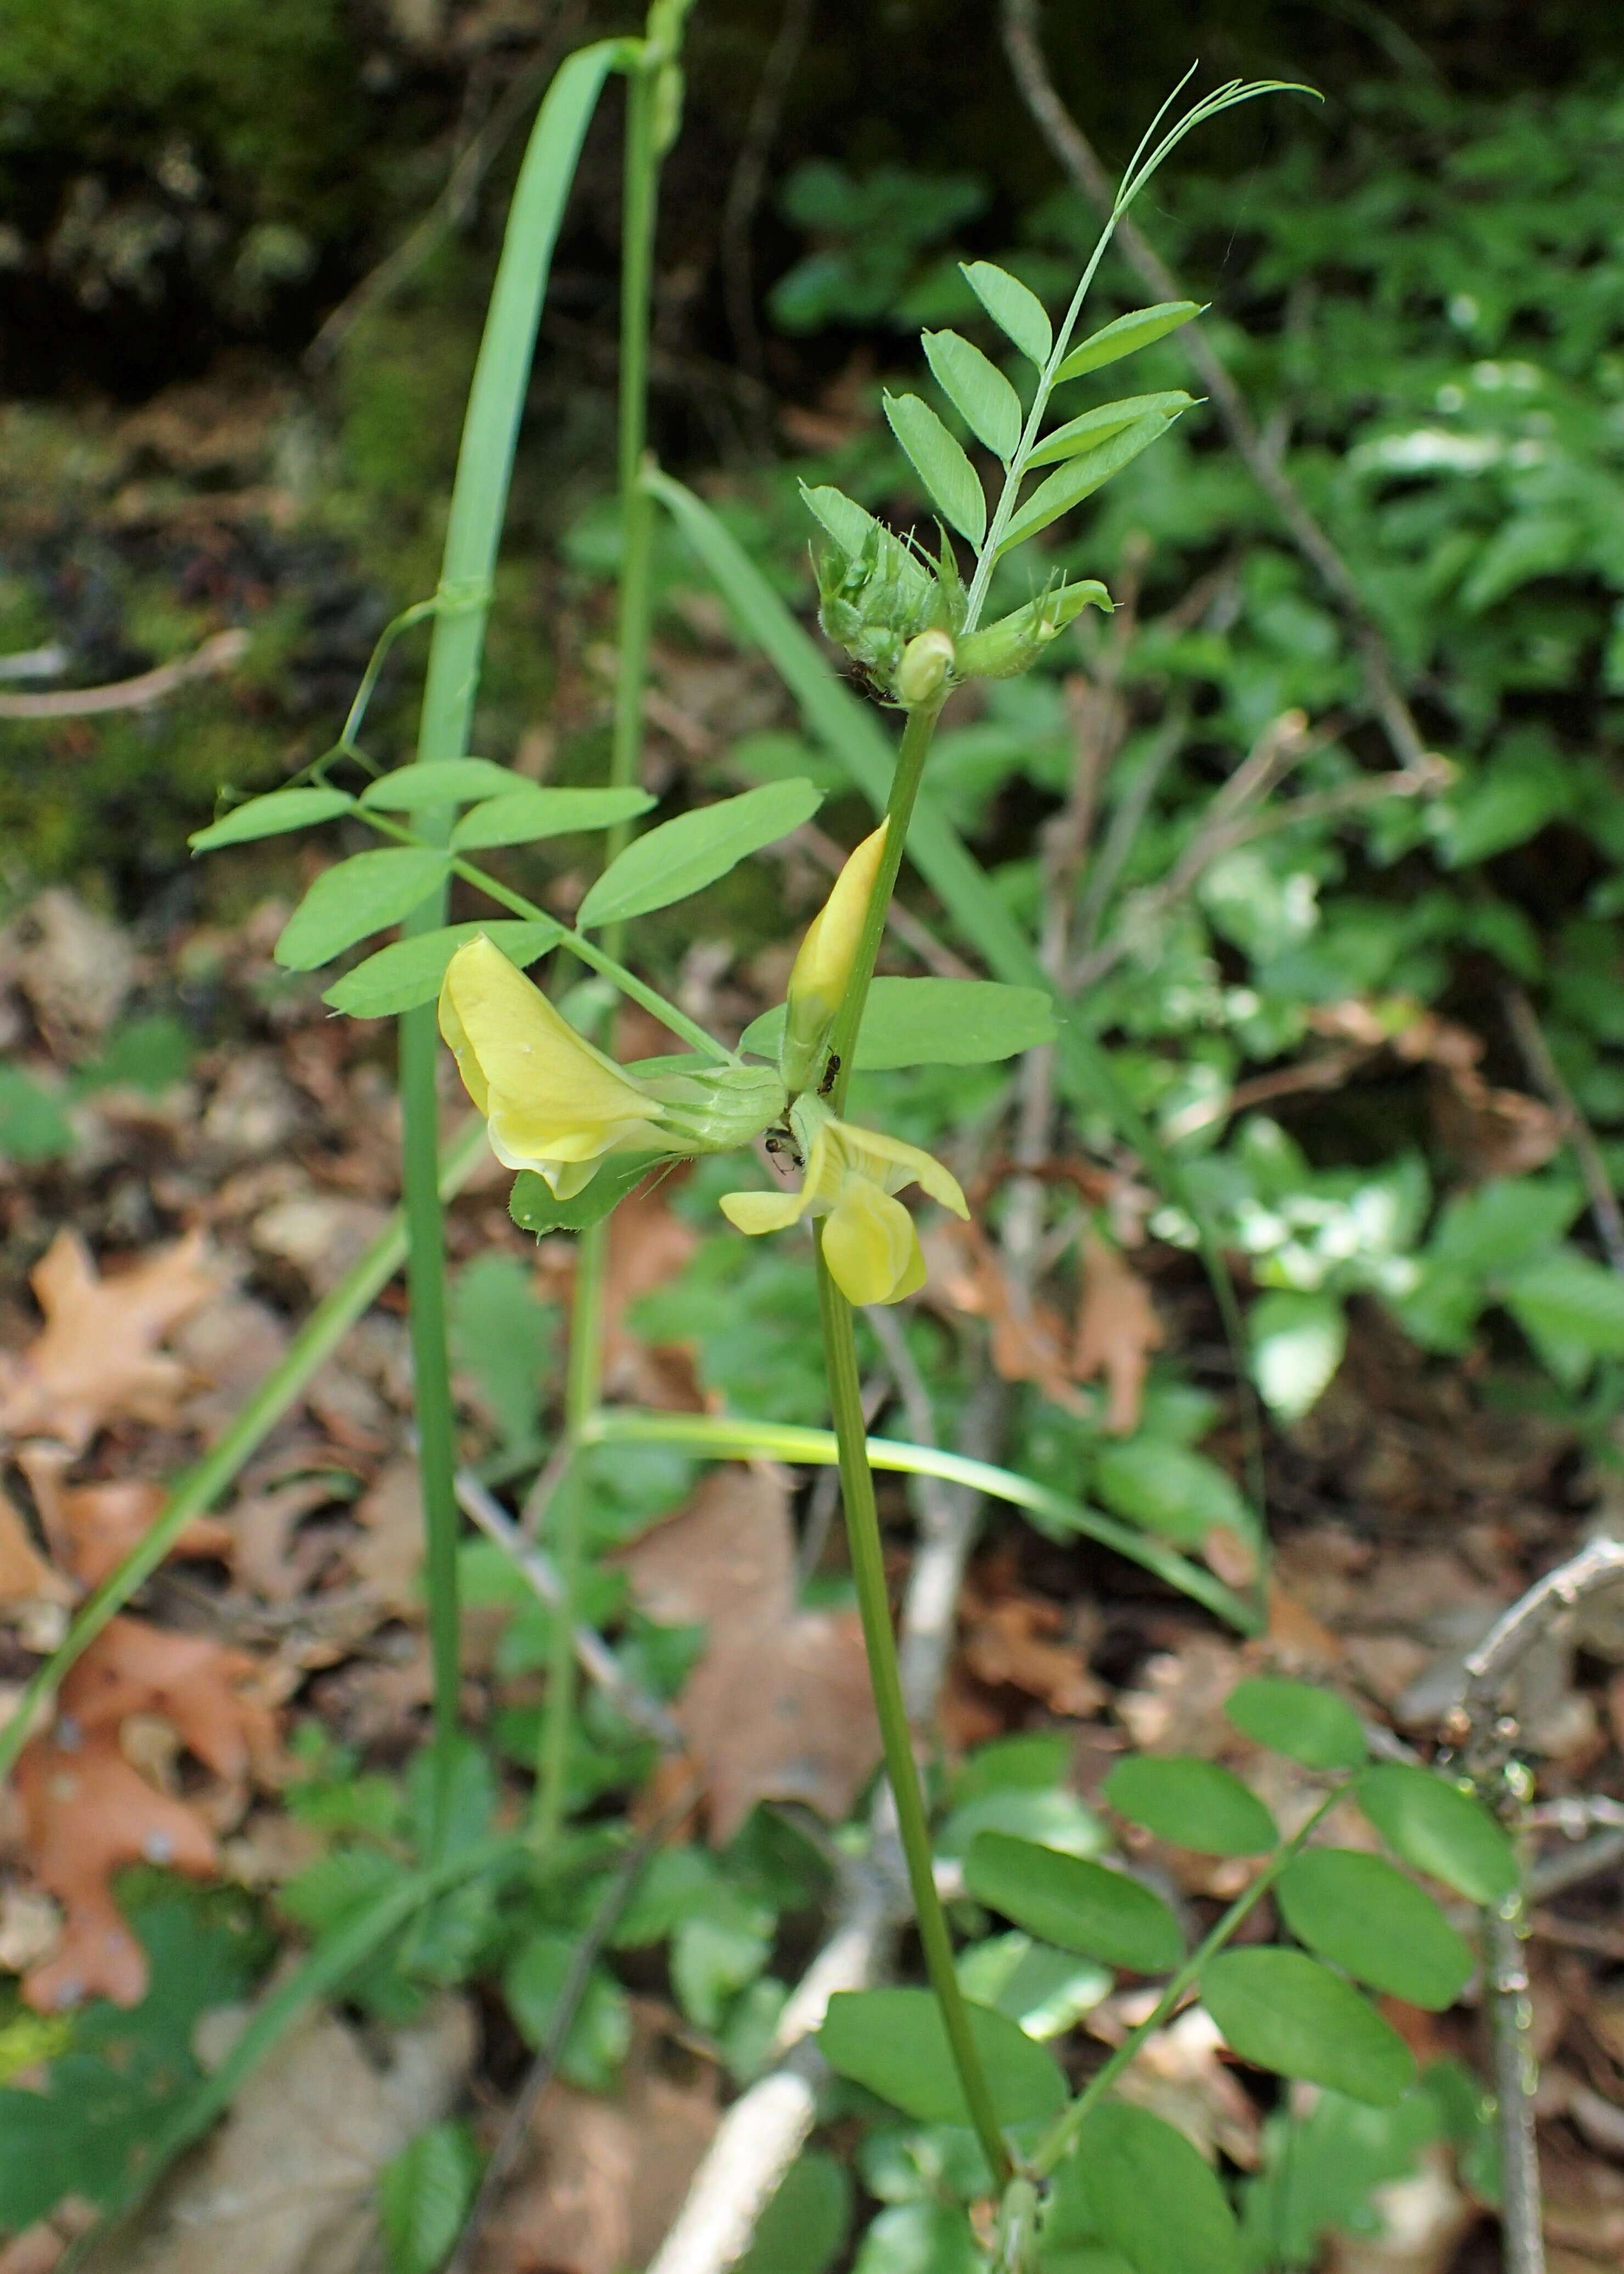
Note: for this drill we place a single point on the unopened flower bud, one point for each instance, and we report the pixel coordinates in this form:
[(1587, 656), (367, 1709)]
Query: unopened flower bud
[(822, 970), (923, 672)]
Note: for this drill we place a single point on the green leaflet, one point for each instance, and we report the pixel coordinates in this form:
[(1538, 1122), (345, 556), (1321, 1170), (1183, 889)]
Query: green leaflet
[(1124, 336), (1016, 311), (358, 896), (977, 389), (684, 856), (949, 479)]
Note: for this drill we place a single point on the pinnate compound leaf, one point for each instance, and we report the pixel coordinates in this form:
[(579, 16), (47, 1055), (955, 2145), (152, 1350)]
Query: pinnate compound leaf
[(409, 971), (436, 781), (909, 1022), (356, 897), (1363, 1915), (1078, 1905), (1153, 2195), (684, 856), (950, 478), (271, 816), (1016, 311), (527, 811), (424, 2196), (1307, 1724), (1282, 2010), (533, 1208), (1124, 336), (1190, 1802), (1439, 1829), (893, 2042), (1094, 426), (1081, 477), (977, 389)]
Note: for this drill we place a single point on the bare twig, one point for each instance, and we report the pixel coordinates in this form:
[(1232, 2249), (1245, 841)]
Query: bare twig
[(1530, 1039), (1076, 154), (749, 176), (593, 1655), (452, 207), (216, 655), (1486, 1735)]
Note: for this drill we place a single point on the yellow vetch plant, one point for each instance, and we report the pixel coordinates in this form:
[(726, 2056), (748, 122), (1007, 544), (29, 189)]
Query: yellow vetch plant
[(823, 968), (869, 1240)]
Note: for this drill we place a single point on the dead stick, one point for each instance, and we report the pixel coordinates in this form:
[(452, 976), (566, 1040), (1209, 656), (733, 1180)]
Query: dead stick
[(1076, 153), (216, 655)]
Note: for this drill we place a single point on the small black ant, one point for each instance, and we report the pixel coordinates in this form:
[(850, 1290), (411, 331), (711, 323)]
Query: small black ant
[(782, 1140), (830, 1072)]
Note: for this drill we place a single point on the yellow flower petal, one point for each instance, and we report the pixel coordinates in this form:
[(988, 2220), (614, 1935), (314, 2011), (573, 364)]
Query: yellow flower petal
[(755, 1212), (526, 1067), (870, 1245), (892, 1164), (823, 967)]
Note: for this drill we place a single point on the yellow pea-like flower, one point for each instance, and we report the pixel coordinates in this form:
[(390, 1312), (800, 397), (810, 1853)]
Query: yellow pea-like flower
[(822, 970), (551, 1102), (851, 1177)]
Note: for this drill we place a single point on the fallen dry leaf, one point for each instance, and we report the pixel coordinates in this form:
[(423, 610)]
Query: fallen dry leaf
[(649, 1244), (92, 1527), (1011, 1638), (75, 967), (1117, 1330), (612, 2175), (388, 1556), (87, 1811), (96, 1359), (288, 2183), (24, 1575), (1028, 1340), (779, 1706)]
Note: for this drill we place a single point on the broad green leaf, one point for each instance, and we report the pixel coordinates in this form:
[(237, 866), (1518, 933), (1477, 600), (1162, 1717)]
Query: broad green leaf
[(1154, 2196), (423, 2198), (977, 389), (1171, 1490), (1078, 1905), (527, 811), (1307, 1724), (533, 1208), (409, 971), (949, 479), (1297, 1341), (1127, 333), (600, 2028), (1284, 2011), (1193, 1803), (910, 1022), (1439, 1829), (683, 857), (1567, 1298), (1082, 476), (271, 816), (716, 1951), (1086, 433), (356, 897), (804, 2227), (34, 1125), (1045, 1990), (1016, 311), (505, 1338), (437, 781), (1365, 1916), (893, 2042)]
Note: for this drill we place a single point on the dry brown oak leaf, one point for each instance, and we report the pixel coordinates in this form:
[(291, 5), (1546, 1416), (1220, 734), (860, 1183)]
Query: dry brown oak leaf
[(779, 1706), (1116, 1332), (92, 1527), (87, 1811), (97, 1358)]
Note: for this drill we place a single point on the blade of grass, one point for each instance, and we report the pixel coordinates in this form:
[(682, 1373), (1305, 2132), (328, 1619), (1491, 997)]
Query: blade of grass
[(202, 1486), (726, 1436), (852, 734), (478, 505)]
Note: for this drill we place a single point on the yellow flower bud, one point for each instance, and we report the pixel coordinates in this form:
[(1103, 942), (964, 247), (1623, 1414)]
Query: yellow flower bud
[(851, 1176), (923, 672), (822, 970)]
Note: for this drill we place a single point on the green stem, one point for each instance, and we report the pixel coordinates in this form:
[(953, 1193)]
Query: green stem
[(862, 1526), (582, 1383), (910, 769), (202, 1486), (641, 177), (1062, 2136)]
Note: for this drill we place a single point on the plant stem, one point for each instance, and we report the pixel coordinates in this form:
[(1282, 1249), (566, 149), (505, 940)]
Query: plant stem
[(641, 178), (582, 1378), (910, 768), (202, 1486), (1062, 2136), (862, 1525)]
